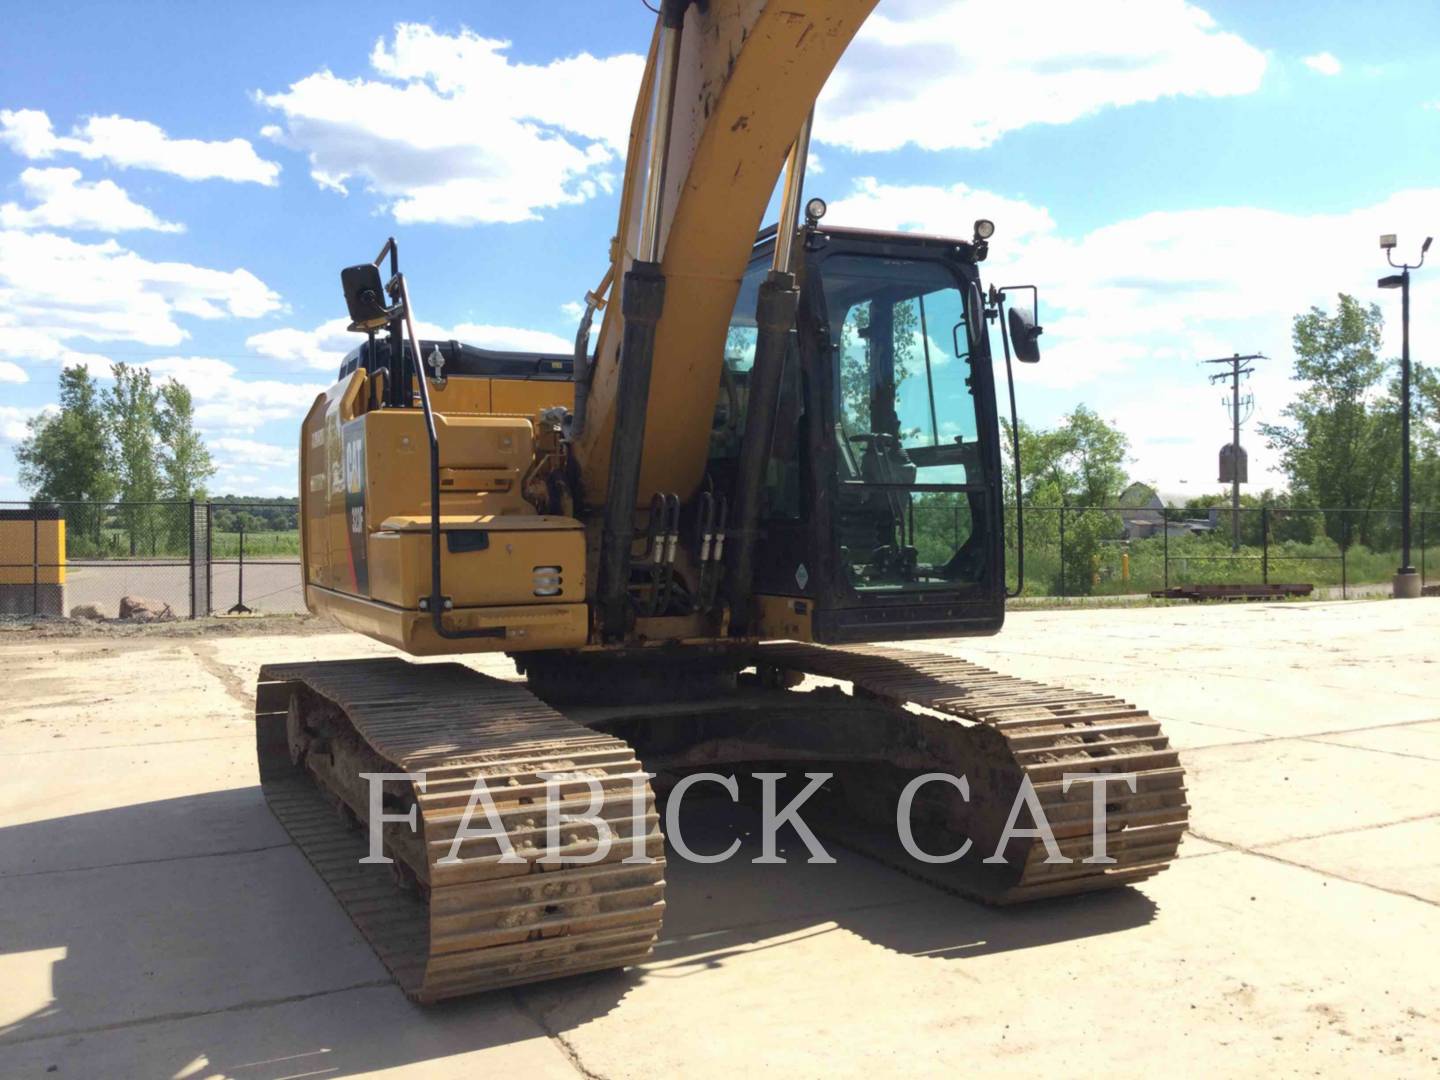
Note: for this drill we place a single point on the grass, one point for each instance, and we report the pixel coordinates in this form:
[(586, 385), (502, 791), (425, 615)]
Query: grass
[(258, 545), (116, 546), (1206, 561)]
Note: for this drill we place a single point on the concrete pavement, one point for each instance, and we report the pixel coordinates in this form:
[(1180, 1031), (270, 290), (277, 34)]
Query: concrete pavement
[(155, 921)]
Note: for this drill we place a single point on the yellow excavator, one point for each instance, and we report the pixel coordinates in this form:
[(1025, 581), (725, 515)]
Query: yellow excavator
[(783, 446)]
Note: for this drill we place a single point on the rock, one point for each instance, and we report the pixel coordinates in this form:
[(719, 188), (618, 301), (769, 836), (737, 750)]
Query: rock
[(86, 611), (141, 609)]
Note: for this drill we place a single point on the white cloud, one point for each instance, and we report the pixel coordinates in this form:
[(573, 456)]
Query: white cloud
[(230, 449), (14, 420), (572, 309), (226, 403), (488, 336), (65, 201), (930, 208), (451, 130), (136, 144), (54, 290), (1322, 62), (12, 373), (1130, 308), (322, 348), (974, 70)]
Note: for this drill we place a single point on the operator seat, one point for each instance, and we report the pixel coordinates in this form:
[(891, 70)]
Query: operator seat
[(870, 522)]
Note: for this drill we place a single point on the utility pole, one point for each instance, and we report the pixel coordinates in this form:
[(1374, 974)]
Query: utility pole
[(1237, 368)]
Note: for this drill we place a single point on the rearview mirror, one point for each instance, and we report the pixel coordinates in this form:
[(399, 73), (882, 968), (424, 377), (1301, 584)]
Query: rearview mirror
[(365, 297), (1024, 334)]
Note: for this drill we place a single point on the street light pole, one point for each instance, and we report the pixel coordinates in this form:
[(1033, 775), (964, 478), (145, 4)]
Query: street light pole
[(1407, 582), (1405, 565)]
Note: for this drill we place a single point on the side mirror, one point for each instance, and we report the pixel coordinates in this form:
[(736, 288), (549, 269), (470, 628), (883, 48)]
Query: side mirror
[(1024, 334), (365, 297)]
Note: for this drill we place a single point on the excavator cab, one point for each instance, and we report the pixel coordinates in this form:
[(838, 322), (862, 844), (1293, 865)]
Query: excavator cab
[(882, 508)]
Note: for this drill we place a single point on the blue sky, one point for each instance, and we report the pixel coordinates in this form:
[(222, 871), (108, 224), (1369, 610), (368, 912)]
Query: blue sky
[(1179, 179)]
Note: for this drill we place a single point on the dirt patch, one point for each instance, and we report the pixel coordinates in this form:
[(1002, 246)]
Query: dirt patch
[(243, 626)]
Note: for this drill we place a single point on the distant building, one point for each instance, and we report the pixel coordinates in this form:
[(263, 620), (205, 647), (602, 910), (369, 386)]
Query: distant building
[(1143, 514)]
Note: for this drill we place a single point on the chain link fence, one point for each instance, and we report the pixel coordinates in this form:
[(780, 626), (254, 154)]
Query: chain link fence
[(1114, 550), (194, 558), (213, 558)]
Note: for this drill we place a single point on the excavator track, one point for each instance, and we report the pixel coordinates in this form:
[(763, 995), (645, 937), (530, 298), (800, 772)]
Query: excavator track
[(482, 924), (478, 924), (995, 729)]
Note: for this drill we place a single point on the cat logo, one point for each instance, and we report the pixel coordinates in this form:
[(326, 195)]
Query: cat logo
[(354, 464), (353, 440)]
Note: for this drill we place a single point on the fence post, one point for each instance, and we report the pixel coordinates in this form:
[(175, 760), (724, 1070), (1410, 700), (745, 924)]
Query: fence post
[(35, 562), (1344, 547), (1165, 546), (1423, 515), (190, 528), (1062, 550), (239, 608), (209, 557), (1265, 544)]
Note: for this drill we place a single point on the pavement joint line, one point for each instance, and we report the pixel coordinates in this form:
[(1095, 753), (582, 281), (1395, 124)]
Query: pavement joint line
[(536, 1015), (1347, 831), (1201, 854), (1270, 856), (145, 862), (1150, 666), (1313, 736), (194, 1014), (127, 746), (1325, 740), (1167, 718)]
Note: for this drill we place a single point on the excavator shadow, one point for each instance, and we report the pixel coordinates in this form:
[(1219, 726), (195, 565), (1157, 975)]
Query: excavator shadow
[(146, 939), (718, 914)]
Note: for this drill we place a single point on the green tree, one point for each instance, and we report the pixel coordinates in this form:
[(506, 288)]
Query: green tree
[(1340, 448), (185, 461), (1425, 441), (1081, 462), (1078, 466), (1291, 516), (66, 457), (132, 406)]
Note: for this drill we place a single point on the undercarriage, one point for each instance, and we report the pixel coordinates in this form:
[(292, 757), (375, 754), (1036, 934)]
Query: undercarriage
[(451, 917)]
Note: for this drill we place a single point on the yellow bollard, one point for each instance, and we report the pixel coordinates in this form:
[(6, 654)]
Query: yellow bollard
[(1125, 567)]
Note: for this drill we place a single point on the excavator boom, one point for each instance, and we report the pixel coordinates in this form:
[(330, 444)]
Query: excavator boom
[(747, 76)]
